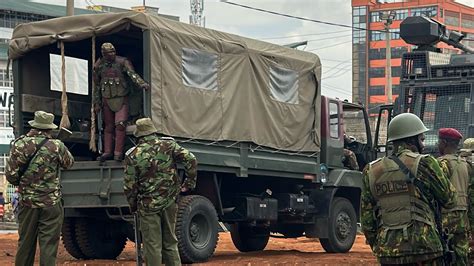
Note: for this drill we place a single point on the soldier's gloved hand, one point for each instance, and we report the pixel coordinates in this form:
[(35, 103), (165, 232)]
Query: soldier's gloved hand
[(145, 86)]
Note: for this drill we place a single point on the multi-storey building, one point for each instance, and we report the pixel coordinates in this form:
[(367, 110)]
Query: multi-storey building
[(369, 46)]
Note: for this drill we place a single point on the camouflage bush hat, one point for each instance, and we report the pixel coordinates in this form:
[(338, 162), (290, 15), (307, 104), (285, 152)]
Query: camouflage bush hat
[(43, 120), (144, 127), (469, 144)]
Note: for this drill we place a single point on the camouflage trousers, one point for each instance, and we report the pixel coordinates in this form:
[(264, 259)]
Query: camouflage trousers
[(460, 246), (159, 237), (432, 262), (41, 225)]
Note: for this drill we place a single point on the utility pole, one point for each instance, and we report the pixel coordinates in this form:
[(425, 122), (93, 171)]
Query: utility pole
[(196, 17), (70, 8), (388, 17)]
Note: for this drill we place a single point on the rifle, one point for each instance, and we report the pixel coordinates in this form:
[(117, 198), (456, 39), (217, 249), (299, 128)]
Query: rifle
[(63, 134), (100, 146), (138, 239), (448, 254)]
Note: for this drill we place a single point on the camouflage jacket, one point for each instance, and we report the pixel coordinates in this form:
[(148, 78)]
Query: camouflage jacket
[(423, 240), (459, 221), (151, 179), (39, 186), (123, 70)]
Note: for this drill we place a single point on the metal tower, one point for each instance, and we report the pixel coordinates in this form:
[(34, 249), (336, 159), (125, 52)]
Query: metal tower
[(196, 17)]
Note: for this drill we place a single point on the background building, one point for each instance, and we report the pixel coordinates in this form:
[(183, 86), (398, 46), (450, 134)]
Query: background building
[(369, 46)]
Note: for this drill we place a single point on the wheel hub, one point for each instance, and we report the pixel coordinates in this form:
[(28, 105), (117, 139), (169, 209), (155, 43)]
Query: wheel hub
[(343, 225), (194, 232)]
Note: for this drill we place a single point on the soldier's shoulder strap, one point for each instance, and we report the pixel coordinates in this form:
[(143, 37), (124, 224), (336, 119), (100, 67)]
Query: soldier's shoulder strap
[(130, 151)]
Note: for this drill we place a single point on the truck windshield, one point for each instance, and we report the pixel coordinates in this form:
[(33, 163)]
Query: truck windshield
[(440, 107)]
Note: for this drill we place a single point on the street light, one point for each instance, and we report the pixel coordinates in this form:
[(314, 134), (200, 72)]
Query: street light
[(388, 17)]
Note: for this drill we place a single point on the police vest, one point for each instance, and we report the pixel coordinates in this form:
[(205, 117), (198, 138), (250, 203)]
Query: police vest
[(460, 180), (112, 79), (397, 204)]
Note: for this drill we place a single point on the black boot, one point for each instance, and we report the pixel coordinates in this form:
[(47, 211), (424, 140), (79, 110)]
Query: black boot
[(104, 157)]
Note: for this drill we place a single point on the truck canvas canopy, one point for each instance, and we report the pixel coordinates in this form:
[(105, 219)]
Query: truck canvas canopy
[(205, 84)]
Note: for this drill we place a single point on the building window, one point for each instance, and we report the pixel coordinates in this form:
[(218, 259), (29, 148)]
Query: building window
[(395, 34), (401, 14), (359, 20), (396, 71), (467, 21), (377, 90), (377, 35), (376, 72), (426, 11), (397, 52), (375, 16), (11, 19), (375, 54), (3, 162), (199, 69), (451, 18), (4, 81)]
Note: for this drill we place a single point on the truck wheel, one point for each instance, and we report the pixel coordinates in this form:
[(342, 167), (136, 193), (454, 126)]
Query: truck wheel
[(196, 229), (342, 227), (248, 238), (68, 235), (100, 239)]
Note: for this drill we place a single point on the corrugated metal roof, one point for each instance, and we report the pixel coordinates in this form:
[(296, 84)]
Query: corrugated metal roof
[(27, 6)]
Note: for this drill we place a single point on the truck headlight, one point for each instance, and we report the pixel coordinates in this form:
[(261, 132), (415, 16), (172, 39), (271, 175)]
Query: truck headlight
[(323, 173)]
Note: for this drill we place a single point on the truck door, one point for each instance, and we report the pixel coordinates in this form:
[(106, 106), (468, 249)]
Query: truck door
[(381, 128), (357, 132)]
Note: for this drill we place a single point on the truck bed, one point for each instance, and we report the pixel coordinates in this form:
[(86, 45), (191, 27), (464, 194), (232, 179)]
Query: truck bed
[(90, 184)]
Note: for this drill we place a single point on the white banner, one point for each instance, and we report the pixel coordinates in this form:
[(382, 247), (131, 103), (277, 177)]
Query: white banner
[(6, 97), (6, 135), (77, 74)]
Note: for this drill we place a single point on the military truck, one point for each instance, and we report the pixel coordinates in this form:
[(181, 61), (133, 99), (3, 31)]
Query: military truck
[(269, 146), (437, 87)]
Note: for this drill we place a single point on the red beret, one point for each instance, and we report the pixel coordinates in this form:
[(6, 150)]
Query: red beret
[(449, 133)]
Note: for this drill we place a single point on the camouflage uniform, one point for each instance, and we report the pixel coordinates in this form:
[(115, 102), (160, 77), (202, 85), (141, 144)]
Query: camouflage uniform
[(112, 80), (417, 240), (456, 220), (152, 185), (40, 209)]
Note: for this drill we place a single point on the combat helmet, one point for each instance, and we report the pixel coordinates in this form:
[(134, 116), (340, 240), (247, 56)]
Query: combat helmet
[(404, 126), (106, 47)]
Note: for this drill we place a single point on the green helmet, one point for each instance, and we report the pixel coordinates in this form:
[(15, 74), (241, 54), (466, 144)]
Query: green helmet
[(404, 126)]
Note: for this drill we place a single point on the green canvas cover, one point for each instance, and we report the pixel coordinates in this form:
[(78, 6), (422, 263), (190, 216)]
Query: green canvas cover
[(207, 84)]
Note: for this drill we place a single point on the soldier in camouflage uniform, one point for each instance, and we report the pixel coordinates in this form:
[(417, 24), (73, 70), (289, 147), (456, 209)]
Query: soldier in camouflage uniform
[(112, 74), (40, 214), (455, 220), (397, 216), (152, 185)]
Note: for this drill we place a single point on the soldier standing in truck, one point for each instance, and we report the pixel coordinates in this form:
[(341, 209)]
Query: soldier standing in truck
[(152, 186), (33, 166), (112, 74)]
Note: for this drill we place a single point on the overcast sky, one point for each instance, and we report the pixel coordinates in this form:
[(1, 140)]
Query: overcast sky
[(332, 44)]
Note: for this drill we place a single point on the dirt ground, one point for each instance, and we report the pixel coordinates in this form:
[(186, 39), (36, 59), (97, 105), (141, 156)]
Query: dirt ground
[(298, 251)]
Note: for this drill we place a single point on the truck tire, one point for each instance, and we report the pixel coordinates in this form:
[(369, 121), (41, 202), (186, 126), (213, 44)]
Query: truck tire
[(196, 229), (342, 227), (68, 235), (246, 238), (100, 239)]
